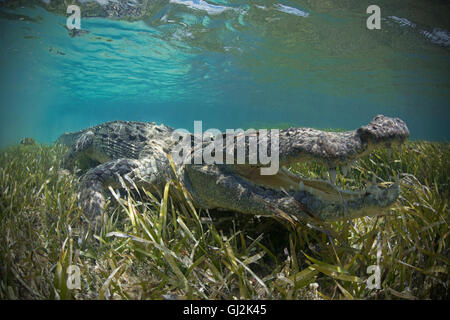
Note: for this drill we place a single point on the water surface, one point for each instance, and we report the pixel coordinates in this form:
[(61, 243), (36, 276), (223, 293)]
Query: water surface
[(231, 64)]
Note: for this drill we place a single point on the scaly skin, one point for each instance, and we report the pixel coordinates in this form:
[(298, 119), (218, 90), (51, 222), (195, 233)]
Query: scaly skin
[(138, 152)]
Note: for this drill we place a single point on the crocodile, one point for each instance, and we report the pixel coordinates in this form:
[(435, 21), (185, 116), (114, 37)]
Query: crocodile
[(137, 153)]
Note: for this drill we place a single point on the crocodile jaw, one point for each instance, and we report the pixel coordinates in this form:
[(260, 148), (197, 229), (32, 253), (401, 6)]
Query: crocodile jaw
[(234, 189), (321, 198), (243, 189)]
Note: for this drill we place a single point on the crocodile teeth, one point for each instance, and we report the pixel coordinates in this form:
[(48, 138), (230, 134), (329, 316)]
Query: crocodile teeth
[(285, 170), (332, 174), (301, 186), (344, 170)]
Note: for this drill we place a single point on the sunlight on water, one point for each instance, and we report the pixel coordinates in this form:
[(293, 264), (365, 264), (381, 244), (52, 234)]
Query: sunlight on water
[(229, 63)]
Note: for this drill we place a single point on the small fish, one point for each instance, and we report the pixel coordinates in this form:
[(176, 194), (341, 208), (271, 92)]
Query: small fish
[(77, 32)]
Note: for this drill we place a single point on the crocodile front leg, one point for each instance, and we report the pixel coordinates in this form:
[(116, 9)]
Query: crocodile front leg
[(148, 171), (93, 183)]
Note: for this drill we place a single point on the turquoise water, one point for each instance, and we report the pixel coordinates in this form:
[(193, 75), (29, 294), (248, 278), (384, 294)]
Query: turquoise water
[(231, 64)]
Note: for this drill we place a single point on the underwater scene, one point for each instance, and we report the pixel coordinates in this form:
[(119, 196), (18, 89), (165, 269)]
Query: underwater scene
[(224, 150)]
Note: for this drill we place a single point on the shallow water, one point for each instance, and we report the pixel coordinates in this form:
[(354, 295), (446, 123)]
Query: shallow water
[(230, 64)]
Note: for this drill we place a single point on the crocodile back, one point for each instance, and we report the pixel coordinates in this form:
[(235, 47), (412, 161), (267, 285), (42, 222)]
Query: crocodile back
[(124, 139)]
